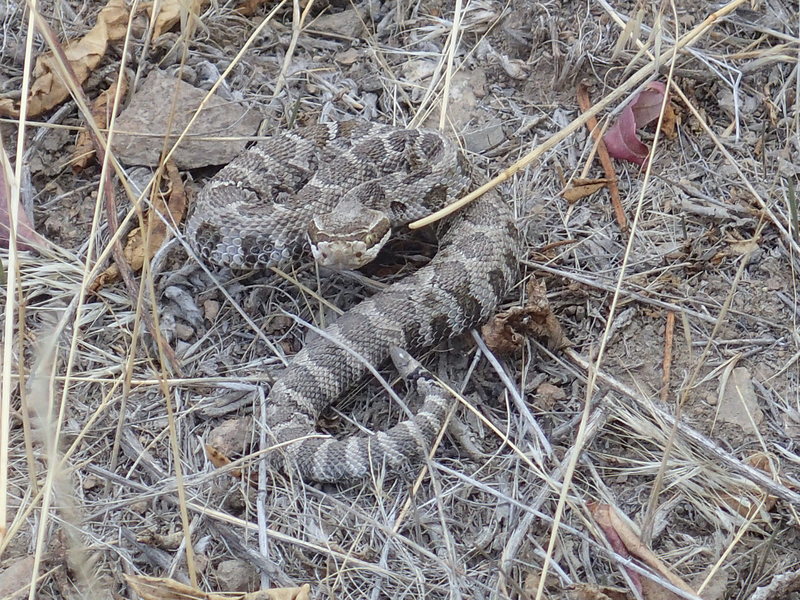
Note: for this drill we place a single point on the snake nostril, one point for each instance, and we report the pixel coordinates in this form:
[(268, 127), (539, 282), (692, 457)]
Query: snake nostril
[(359, 254)]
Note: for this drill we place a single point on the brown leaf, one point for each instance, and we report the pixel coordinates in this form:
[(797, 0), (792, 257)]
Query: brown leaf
[(652, 590), (159, 588), (749, 500), (739, 247), (143, 242), (506, 332), (219, 459), (248, 8), (170, 541), (581, 188), (48, 89), (605, 518), (170, 13), (621, 139), (618, 532), (101, 111)]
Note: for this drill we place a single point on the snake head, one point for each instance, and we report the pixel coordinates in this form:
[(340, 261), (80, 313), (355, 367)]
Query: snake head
[(348, 237)]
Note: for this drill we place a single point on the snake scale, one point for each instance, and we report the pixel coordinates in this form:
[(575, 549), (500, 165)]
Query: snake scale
[(259, 211)]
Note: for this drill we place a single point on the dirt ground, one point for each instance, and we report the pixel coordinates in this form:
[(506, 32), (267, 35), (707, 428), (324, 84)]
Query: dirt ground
[(654, 457)]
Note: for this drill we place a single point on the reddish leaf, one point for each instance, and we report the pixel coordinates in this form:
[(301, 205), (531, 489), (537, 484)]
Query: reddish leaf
[(621, 139), (27, 238)]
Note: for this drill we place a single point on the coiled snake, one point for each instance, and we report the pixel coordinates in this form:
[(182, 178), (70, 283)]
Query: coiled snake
[(343, 185)]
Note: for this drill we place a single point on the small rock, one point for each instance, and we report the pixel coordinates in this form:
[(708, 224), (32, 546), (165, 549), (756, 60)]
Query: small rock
[(90, 482), (236, 576), (738, 404), (16, 576), (548, 394), (745, 103), (347, 24), (466, 87), (232, 437), (486, 138), (140, 507), (348, 57), (184, 331), (211, 310), (146, 117)]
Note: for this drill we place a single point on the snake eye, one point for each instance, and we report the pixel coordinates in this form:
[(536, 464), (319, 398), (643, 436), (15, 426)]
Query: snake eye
[(370, 239)]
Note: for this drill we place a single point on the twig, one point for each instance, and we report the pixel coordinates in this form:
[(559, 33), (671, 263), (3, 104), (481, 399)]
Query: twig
[(666, 368), (585, 103)]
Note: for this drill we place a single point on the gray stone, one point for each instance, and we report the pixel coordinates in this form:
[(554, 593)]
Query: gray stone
[(145, 120)]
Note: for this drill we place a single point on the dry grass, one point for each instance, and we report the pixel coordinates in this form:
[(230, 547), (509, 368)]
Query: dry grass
[(108, 400)]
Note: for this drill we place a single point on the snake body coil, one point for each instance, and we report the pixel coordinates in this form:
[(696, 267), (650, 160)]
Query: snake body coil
[(257, 212)]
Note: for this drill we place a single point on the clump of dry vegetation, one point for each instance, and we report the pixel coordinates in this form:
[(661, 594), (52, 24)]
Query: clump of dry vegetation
[(639, 439)]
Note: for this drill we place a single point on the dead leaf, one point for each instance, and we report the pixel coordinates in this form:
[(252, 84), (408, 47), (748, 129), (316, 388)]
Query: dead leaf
[(714, 580), (219, 459), (27, 238), (750, 500), (652, 590), (741, 247), (249, 8), (548, 395), (158, 588), (101, 111), (170, 13), (618, 532), (170, 541), (506, 332), (581, 188), (143, 244), (621, 139), (605, 517), (531, 583), (48, 89)]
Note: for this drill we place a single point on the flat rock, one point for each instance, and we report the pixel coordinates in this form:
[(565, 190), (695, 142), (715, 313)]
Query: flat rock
[(467, 87), (145, 120), (487, 137), (738, 403)]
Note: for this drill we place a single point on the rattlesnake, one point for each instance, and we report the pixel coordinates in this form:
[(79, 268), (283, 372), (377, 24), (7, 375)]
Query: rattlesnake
[(257, 212)]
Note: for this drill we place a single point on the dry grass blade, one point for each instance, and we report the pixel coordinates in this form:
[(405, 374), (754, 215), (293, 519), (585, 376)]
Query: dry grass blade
[(155, 588), (12, 276)]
